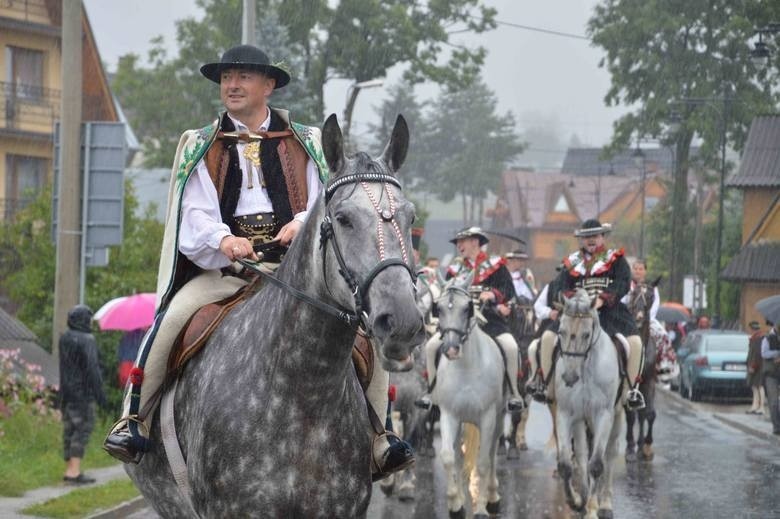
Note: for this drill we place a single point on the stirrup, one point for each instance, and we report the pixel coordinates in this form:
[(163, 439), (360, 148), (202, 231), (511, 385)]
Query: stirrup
[(424, 402), (537, 389), (635, 400)]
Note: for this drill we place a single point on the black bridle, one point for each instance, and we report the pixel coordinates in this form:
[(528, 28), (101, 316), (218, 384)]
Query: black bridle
[(595, 334), (461, 333), (358, 287)]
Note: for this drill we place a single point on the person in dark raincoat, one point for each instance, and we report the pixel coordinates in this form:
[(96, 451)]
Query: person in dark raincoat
[(81, 385)]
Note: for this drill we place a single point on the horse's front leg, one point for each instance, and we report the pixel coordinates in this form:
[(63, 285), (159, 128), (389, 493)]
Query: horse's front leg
[(488, 438), (450, 433), (563, 435), (647, 448), (630, 445), (604, 489)]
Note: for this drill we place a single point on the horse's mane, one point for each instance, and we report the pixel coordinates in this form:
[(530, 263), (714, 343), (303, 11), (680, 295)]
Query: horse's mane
[(364, 163)]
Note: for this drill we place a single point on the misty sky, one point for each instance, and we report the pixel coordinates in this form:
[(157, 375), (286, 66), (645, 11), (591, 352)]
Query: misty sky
[(545, 80)]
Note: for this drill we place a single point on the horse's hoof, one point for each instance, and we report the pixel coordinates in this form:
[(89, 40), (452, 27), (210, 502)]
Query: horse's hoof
[(605, 513), (631, 457), (494, 507), (523, 446), (512, 453), (501, 447), (459, 514), (647, 453)]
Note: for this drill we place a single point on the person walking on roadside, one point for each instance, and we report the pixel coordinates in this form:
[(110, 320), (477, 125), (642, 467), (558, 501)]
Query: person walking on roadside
[(81, 385), (770, 353), (755, 375)]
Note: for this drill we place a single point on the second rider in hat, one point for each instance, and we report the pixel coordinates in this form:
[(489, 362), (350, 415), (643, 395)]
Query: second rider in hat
[(605, 274), (492, 276)]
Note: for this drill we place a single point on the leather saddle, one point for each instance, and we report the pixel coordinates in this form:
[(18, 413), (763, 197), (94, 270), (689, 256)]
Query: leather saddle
[(195, 334)]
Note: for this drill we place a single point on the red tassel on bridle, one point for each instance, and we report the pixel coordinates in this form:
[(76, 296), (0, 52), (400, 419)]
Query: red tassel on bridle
[(136, 376)]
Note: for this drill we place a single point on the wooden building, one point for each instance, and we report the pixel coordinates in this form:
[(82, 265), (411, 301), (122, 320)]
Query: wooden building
[(756, 267), (30, 93)]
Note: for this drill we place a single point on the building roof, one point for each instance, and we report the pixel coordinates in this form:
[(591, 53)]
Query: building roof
[(588, 161), (531, 196), (15, 335), (755, 262), (760, 166)]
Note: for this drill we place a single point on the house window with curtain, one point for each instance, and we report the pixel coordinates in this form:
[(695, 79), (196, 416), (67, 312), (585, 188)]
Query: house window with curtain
[(25, 72), (24, 178)]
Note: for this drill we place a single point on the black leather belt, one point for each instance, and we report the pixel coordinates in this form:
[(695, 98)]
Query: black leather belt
[(259, 229)]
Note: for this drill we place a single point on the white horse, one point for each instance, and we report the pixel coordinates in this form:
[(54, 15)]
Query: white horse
[(587, 389), (469, 389)]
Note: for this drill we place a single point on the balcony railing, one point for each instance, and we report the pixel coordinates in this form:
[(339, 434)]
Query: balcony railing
[(28, 108), (27, 10)]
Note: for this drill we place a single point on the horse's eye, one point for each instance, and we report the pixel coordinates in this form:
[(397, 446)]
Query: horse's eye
[(586, 336), (342, 219)]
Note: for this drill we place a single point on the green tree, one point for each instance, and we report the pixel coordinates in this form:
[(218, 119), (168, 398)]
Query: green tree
[(468, 147), (354, 39), (402, 100), (663, 54)]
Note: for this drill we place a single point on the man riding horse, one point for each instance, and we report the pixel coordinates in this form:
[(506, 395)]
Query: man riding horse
[(493, 280), (639, 285), (244, 182), (605, 274)]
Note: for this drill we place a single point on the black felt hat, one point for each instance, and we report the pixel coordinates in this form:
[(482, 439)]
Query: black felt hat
[(245, 57), (471, 232), (592, 227)]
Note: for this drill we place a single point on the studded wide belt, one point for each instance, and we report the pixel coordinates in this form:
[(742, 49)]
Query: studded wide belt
[(258, 228)]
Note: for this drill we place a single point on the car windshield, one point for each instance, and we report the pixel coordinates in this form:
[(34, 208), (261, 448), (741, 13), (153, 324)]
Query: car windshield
[(727, 343)]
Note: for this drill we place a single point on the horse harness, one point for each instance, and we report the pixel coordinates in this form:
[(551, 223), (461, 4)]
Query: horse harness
[(358, 287)]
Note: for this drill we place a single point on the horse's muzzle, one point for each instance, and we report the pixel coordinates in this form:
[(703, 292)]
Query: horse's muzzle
[(450, 350)]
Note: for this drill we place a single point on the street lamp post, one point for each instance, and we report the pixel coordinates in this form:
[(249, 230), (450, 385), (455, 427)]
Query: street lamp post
[(639, 161), (761, 53), (352, 94)]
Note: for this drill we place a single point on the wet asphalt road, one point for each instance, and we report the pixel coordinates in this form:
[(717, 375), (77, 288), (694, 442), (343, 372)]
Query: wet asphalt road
[(702, 469)]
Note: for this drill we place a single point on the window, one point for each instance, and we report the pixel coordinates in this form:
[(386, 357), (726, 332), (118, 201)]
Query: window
[(561, 206), (25, 72), (24, 177)]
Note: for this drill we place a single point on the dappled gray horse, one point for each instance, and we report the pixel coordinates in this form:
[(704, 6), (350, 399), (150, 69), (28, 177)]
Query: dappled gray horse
[(639, 303), (270, 416), (587, 385), (469, 389)]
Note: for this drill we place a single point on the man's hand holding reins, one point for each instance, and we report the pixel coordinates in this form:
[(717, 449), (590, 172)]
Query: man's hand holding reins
[(237, 248), (288, 233)]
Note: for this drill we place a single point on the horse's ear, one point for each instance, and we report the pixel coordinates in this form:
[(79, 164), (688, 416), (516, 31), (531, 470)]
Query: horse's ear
[(440, 278), (467, 282), (395, 151), (333, 145), (593, 301)]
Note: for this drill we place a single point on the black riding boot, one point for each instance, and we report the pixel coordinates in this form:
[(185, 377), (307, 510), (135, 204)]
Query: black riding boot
[(125, 446)]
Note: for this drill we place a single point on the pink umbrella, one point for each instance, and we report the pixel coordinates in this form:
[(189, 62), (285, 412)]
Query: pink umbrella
[(127, 313)]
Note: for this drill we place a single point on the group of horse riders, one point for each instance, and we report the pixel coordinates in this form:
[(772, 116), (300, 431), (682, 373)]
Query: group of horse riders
[(602, 271), (246, 183)]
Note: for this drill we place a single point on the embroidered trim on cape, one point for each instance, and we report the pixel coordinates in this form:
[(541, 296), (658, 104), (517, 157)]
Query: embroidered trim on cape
[(577, 266), (306, 136)]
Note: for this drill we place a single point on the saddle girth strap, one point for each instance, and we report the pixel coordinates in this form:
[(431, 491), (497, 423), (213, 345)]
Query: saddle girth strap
[(173, 449)]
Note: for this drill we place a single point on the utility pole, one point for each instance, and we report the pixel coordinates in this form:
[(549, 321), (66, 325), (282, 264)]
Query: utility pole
[(248, 23), (66, 281)]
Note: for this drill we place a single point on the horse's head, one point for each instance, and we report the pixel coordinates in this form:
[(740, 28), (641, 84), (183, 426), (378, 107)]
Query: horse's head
[(640, 300), (578, 330), (455, 310), (366, 241)]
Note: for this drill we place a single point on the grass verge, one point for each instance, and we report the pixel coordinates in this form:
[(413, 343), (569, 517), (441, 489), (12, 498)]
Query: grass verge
[(85, 501), (31, 451)]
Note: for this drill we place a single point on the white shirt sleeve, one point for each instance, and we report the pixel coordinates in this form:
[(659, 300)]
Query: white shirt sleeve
[(314, 188), (202, 228), (540, 306), (656, 303)]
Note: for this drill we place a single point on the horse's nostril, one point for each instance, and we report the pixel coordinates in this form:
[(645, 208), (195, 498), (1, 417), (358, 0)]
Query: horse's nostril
[(383, 324)]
